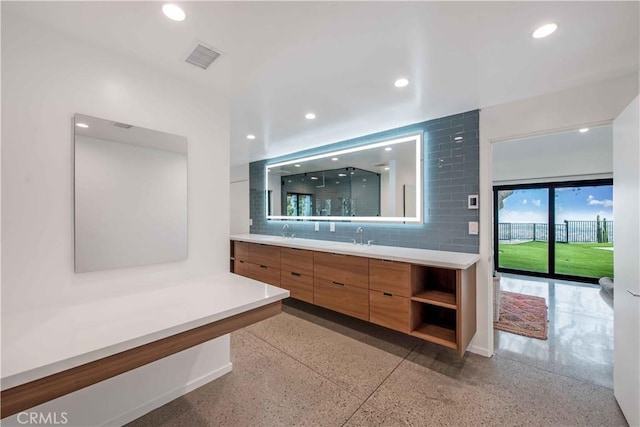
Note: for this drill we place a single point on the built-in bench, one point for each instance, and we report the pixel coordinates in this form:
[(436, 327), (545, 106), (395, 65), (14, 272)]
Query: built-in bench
[(53, 352)]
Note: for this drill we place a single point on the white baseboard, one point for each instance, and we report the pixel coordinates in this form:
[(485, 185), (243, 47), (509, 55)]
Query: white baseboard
[(482, 351), (169, 396)]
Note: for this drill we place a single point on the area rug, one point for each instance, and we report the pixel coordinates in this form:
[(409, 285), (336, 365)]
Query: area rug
[(523, 315)]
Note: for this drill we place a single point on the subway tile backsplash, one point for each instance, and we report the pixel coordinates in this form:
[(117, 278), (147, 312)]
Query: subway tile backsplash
[(451, 174)]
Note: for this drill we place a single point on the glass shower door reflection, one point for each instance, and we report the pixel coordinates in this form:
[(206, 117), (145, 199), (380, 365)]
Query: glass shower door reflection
[(523, 229)]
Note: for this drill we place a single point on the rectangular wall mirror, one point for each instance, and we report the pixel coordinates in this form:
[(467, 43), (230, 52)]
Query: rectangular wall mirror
[(130, 195), (381, 181)]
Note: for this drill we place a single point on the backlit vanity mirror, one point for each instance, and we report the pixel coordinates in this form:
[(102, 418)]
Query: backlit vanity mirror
[(375, 182), (130, 195)]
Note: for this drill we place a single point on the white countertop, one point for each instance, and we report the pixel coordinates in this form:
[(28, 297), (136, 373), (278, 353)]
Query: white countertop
[(39, 343), (455, 260)]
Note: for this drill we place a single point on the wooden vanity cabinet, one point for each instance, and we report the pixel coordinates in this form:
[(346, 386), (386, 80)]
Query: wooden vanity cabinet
[(341, 283), (435, 304), (257, 261), (390, 290), (297, 273)]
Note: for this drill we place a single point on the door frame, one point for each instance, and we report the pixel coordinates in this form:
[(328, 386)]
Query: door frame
[(551, 253)]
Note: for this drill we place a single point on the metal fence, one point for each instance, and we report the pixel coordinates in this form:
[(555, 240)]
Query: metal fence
[(566, 232)]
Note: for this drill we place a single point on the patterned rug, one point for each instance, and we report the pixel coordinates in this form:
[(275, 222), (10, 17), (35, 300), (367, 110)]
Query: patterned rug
[(523, 315)]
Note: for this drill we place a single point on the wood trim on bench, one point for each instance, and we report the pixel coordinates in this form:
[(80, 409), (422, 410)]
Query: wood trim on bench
[(37, 392)]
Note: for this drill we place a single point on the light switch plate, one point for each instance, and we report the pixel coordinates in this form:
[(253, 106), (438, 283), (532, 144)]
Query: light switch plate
[(473, 227), (317, 226), (332, 227)]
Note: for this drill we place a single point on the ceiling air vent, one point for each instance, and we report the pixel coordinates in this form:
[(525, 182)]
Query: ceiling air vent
[(202, 56)]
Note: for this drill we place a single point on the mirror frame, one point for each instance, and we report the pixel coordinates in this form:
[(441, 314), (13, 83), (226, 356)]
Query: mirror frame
[(417, 138)]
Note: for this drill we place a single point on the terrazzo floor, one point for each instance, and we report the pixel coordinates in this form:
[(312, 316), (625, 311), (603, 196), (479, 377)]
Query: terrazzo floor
[(310, 366)]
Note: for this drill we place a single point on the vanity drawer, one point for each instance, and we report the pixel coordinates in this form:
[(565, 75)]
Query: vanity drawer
[(347, 269), (241, 251), (390, 310), (264, 273), (390, 276), (343, 298), (300, 286), (264, 255), (242, 268), (297, 261)]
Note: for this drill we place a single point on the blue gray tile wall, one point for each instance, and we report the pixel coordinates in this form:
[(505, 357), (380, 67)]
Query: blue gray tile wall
[(451, 174)]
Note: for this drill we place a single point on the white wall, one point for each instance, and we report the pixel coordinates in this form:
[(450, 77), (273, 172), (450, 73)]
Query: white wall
[(46, 78), (626, 193), (588, 105), (556, 157), (239, 206)]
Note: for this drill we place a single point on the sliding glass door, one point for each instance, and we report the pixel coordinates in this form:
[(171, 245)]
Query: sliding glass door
[(523, 230), (584, 231), (562, 230)]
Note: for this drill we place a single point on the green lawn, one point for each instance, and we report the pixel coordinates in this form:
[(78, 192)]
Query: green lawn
[(576, 259)]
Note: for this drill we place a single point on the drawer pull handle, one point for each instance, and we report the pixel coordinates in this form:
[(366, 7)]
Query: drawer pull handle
[(295, 274), (263, 266), (387, 294), (338, 284), (241, 262)]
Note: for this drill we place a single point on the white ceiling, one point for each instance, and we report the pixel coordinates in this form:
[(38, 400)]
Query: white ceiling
[(339, 59)]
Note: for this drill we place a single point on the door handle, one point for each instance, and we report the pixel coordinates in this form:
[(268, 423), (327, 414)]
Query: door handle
[(635, 294), (295, 274), (338, 284)]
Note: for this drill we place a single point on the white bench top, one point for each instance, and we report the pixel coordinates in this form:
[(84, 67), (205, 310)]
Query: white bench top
[(43, 342)]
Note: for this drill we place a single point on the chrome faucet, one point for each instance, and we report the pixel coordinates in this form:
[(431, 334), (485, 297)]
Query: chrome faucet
[(284, 230), (360, 231)]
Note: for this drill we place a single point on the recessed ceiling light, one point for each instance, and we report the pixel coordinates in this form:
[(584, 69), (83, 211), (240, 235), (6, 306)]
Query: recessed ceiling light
[(401, 82), (335, 159), (457, 138), (251, 136), (314, 177), (544, 30), (387, 168), (297, 166), (342, 174), (309, 116), (388, 149), (173, 12), (82, 125), (583, 130), (337, 182)]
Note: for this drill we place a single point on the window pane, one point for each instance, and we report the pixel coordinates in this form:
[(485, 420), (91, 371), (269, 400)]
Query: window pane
[(523, 230), (584, 231)]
